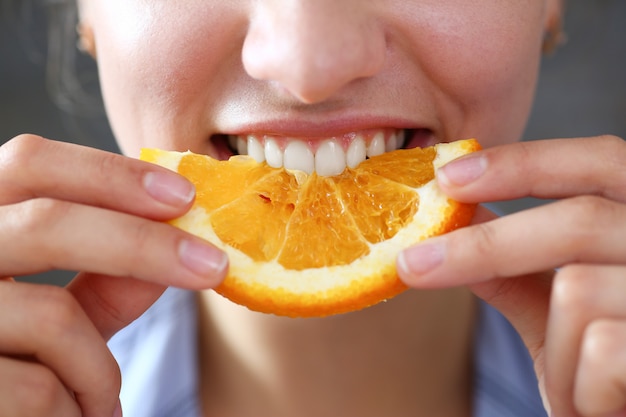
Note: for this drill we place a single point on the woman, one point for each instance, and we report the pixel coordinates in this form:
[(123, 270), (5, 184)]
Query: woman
[(182, 76)]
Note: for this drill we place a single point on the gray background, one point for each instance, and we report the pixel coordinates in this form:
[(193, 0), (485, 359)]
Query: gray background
[(582, 89)]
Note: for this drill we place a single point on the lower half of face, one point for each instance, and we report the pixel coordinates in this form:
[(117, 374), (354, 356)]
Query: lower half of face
[(304, 83)]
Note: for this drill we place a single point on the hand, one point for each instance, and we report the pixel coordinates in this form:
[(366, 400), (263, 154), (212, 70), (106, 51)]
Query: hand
[(70, 207), (573, 321)]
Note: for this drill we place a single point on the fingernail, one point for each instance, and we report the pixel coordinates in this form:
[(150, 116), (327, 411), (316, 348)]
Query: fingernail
[(202, 259), (462, 171), (169, 188), (420, 259), (118, 410)]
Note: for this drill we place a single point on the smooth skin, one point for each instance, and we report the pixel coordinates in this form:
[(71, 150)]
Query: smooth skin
[(174, 75)]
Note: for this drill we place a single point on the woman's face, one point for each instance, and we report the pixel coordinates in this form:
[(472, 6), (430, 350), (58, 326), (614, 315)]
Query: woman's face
[(185, 74)]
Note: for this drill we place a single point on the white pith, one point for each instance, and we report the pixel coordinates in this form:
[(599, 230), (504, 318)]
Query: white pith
[(329, 156)]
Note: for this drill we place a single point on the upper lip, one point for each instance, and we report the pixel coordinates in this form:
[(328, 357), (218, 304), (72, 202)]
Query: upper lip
[(317, 127)]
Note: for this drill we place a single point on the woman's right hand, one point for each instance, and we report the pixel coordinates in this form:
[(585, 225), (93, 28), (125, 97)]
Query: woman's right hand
[(64, 206)]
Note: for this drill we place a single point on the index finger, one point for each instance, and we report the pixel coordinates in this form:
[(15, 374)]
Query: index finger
[(554, 168), (34, 167)]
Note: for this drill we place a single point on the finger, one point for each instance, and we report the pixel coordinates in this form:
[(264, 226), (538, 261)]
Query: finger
[(33, 167), (582, 229), (46, 323), (555, 168), (64, 235), (601, 379), (32, 389), (524, 299), (112, 303), (583, 296)]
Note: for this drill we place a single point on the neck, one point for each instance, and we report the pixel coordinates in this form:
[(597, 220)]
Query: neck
[(409, 356)]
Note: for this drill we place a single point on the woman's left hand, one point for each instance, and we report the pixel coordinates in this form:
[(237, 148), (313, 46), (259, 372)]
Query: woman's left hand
[(557, 272)]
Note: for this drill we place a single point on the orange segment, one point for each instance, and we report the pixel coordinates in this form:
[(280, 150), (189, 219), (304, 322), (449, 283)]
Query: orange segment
[(305, 245), (226, 181), (411, 167), (256, 222), (321, 232), (381, 207)]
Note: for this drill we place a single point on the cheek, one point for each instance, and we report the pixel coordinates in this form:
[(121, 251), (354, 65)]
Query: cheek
[(159, 68), (484, 59)]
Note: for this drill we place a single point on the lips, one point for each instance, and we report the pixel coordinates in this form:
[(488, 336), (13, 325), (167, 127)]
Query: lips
[(326, 156)]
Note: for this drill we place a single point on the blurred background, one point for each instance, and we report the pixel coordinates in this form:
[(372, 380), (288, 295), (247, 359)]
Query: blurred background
[(582, 87)]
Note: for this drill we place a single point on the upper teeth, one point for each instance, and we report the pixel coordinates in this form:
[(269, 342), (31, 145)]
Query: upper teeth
[(326, 157)]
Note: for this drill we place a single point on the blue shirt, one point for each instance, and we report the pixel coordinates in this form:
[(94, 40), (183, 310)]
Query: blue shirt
[(159, 361)]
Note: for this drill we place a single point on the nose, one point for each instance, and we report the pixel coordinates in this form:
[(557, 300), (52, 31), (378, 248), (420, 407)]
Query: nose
[(313, 48)]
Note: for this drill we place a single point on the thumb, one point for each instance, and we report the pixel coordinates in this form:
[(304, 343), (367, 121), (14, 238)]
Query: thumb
[(113, 302), (483, 258), (524, 300), (495, 263)]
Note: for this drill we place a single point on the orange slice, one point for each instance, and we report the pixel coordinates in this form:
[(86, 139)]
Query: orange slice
[(305, 245)]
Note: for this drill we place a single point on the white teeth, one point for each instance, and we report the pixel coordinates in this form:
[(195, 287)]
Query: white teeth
[(392, 143), (242, 146), (377, 145), (273, 153), (356, 153), (299, 156), (395, 141), (255, 149), (330, 159)]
